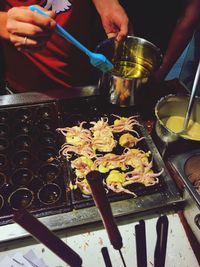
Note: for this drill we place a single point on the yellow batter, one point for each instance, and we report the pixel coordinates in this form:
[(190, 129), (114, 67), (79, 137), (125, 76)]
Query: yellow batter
[(175, 124)]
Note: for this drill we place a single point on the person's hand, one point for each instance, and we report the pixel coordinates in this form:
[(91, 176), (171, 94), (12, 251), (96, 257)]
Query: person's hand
[(114, 18), (29, 30)]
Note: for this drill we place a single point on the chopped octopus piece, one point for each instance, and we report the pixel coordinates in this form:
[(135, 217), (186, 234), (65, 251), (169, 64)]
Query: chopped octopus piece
[(136, 157), (147, 178), (128, 140), (115, 181), (124, 124), (100, 126), (110, 161), (84, 150), (84, 186), (103, 139), (104, 143), (76, 135), (82, 166)]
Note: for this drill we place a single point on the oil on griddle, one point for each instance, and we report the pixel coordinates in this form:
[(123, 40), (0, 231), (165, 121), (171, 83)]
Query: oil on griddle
[(114, 146)]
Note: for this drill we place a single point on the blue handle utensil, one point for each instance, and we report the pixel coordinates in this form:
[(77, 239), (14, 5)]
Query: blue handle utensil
[(97, 60)]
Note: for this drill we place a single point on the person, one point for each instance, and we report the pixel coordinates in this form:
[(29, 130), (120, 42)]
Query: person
[(38, 59), (169, 25)]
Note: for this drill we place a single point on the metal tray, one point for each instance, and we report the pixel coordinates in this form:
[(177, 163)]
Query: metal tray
[(178, 162)]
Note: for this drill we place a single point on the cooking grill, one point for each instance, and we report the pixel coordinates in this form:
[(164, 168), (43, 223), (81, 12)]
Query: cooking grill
[(80, 200), (30, 176), (31, 145)]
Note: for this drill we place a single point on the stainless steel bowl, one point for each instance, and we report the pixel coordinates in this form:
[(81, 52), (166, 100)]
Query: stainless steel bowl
[(173, 105)]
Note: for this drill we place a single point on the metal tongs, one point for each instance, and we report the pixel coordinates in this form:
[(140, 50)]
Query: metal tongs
[(161, 242)]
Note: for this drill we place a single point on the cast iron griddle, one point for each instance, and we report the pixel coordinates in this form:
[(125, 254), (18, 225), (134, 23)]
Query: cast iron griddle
[(30, 175), (94, 113)]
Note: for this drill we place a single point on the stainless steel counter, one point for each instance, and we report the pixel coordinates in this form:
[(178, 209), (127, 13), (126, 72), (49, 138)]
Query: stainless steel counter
[(88, 241)]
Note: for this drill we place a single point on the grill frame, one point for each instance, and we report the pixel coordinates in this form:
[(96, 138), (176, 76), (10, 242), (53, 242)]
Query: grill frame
[(168, 199)]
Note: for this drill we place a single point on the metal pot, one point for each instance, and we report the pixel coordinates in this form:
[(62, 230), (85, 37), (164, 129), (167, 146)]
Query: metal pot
[(134, 60), (169, 106)]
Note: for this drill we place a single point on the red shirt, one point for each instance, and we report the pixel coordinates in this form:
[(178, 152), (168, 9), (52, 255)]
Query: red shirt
[(60, 64)]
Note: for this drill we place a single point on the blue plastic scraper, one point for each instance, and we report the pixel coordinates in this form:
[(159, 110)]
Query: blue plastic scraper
[(97, 60)]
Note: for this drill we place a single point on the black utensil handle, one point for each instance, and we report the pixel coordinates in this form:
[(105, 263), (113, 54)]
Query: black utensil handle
[(161, 243), (141, 251), (106, 257), (47, 237), (122, 258), (100, 198)]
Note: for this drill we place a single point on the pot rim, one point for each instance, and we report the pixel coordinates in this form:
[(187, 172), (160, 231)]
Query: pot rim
[(141, 40)]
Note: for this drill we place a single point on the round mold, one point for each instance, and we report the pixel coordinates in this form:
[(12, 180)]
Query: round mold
[(21, 198), (22, 176), (49, 193), (49, 172)]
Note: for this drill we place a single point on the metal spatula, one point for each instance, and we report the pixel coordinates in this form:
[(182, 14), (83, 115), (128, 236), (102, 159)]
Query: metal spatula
[(97, 60)]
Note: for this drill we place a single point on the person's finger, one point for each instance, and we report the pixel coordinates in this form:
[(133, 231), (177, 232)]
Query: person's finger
[(24, 42), (123, 30), (19, 41), (30, 17), (50, 13), (22, 28), (111, 35)]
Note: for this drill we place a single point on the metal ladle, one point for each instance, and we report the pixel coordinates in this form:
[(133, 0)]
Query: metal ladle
[(191, 101)]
